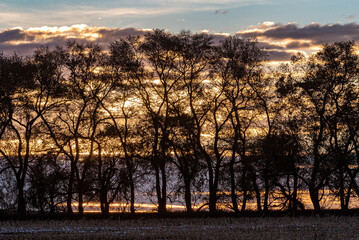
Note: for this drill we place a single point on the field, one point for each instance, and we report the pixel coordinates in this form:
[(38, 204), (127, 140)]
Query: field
[(327, 227)]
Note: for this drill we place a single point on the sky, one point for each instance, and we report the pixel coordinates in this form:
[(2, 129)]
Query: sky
[(281, 26)]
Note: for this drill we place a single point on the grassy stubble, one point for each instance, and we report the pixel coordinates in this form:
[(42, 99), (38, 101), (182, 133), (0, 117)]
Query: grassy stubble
[(329, 227)]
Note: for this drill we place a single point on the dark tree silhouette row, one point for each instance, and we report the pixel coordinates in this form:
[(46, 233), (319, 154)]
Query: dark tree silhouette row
[(182, 116)]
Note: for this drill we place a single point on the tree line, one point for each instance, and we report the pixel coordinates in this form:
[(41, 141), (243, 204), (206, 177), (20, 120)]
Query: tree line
[(188, 118)]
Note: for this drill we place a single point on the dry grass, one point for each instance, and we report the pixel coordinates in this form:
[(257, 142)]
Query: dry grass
[(331, 227)]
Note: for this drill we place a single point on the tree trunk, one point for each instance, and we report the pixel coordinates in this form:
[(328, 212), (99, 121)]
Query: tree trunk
[(257, 191), (314, 196), (244, 203), (105, 206), (233, 186), (70, 188), (21, 203), (212, 200), (245, 189), (158, 188), (132, 192), (343, 205), (163, 204), (132, 184), (81, 202), (52, 204), (187, 194), (212, 191), (41, 205), (348, 194), (130, 170), (266, 186), (295, 192), (266, 196), (213, 194)]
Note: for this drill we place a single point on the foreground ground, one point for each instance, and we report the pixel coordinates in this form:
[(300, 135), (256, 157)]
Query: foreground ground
[(328, 227)]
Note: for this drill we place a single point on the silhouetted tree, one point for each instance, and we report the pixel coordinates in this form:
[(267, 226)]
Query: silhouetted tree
[(33, 79), (327, 82), (156, 95), (124, 67), (46, 177), (74, 126), (194, 54), (239, 62)]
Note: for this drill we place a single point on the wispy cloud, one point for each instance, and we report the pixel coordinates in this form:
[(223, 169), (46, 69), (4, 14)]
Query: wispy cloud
[(110, 11), (206, 2), (75, 15)]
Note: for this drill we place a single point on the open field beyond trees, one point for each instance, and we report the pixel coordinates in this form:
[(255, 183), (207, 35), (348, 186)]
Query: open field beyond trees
[(310, 227)]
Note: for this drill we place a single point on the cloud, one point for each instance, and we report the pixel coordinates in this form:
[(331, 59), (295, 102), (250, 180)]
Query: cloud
[(14, 35), (86, 15), (269, 46), (275, 55), (229, 3), (280, 41), (79, 14), (25, 41), (314, 32), (298, 45), (284, 39), (350, 17)]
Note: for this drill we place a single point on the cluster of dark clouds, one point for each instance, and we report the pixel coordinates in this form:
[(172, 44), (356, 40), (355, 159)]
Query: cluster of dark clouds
[(280, 41), (316, 33)]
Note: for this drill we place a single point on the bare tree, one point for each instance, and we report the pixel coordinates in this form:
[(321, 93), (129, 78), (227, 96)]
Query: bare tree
[(156, 95), (325, 87), (239, 62), (123, 68), (194, 55), (74, 125), (34, 79)]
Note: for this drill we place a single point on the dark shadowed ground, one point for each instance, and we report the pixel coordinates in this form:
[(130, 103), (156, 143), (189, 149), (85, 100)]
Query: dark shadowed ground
[(311, 227)]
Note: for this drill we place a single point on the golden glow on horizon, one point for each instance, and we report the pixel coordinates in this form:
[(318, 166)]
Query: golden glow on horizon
[(329, 201)]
